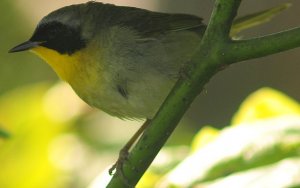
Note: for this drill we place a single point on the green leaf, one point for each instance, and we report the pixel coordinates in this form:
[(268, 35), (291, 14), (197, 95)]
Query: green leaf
[(238, 149)]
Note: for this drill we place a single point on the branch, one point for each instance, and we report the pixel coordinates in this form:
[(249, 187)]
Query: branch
[(215, 51), (201, 68), (221, 20), (262, 46)]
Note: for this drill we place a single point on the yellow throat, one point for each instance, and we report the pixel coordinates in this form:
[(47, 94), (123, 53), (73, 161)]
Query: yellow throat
[(63, 64), (78, 69)]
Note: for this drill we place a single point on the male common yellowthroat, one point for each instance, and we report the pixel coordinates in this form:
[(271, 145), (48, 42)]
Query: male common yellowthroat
[(122, 60)]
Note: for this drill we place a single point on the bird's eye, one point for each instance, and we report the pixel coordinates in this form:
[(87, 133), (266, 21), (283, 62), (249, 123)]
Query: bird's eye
[(59, 37), (47, 31)]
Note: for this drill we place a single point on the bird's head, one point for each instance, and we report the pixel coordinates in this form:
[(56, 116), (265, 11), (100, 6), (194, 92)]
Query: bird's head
[(58, 39), (60, 31)]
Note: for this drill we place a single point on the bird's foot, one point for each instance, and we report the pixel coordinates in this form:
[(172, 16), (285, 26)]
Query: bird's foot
[(117, 168)]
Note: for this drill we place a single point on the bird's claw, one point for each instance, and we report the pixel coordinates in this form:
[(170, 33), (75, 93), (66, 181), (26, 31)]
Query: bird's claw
[(117, 168)]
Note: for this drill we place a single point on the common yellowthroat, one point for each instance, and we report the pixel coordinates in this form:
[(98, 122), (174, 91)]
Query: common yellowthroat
[(122, 60)]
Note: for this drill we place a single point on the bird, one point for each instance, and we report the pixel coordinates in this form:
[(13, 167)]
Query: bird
[(122, 60)]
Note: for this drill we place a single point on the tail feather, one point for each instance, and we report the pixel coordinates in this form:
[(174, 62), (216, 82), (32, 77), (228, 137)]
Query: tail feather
[(256, 19)]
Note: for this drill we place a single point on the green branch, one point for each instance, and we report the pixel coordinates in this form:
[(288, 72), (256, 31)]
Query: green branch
[(221, 20), (262, 46), (215, 51)]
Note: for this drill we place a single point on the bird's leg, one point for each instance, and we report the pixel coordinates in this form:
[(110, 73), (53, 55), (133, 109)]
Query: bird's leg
[(123, 154)]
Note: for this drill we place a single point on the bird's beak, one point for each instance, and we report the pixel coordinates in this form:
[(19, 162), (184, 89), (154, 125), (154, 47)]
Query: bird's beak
[(24, 46)]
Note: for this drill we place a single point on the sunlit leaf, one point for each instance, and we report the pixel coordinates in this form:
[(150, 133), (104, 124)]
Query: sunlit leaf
[(265, 103), (203, 137), (285, 173), (239, 148)]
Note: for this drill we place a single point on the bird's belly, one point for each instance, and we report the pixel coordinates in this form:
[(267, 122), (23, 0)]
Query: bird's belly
[(142, 101)]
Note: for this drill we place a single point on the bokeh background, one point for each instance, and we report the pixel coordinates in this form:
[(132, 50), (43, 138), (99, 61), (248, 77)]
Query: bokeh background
[(57, 138)]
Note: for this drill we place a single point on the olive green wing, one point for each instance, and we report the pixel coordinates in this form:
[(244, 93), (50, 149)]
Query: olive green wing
[(152, 24), (144, 22), (159, 23)]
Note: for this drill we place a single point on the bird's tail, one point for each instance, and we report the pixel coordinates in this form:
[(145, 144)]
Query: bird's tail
[(256, 19)]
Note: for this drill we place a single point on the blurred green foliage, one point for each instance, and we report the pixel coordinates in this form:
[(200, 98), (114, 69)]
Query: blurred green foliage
[(46, 148), (4, 134), (25, 156)]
